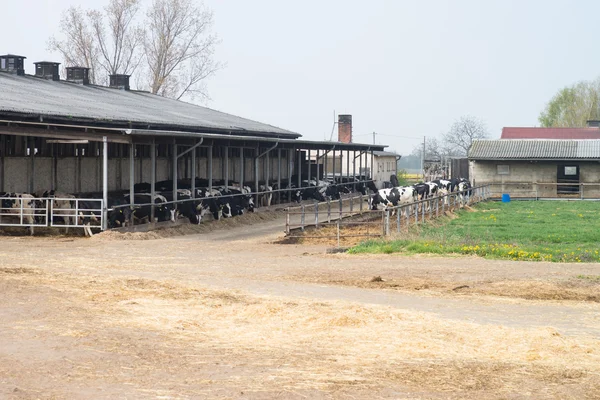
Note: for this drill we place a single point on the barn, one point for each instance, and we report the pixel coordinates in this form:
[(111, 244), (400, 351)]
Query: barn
[(539, 167), (69, 136)]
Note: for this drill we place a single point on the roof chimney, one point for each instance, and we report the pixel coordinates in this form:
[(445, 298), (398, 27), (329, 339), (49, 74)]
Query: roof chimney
[(13, 64), (78, 75), (47, 70), (119, 81), (345, 128)]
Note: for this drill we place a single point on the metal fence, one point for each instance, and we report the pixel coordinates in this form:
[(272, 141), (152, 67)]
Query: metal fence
[(51, 212), (546, 190), (354, 211)]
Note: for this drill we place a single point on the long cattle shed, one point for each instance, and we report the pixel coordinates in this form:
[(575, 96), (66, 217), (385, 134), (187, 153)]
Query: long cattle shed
[(75, 137)]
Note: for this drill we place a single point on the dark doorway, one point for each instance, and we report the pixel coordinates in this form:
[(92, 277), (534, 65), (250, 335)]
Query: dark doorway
[(567, 178), (459, 168)]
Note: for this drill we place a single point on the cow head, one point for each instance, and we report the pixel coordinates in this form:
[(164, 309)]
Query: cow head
[(8, 203), (226, 210), (250, 203)]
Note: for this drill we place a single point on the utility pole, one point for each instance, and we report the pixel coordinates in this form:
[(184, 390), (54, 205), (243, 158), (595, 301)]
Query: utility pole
[(423, 160), (374, 137)]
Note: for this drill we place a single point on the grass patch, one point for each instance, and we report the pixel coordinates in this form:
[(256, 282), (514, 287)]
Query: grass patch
[(525, 230), (591, 278)]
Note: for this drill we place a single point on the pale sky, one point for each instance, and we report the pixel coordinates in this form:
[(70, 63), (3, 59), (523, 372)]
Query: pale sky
[(403, 69)]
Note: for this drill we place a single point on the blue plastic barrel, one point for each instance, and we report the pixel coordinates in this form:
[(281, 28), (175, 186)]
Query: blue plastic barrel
[(505, 198)]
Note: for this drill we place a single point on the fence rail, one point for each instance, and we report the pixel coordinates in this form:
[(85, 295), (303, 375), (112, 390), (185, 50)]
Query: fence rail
[(51, 212), (387, 220), (546, 190)]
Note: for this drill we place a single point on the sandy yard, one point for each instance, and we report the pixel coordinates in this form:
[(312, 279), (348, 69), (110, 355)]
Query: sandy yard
[(232, 314)]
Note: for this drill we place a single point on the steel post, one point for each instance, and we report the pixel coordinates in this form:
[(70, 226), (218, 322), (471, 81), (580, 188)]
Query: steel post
[(152, 179), (226, 169), (175, 175), (104, 182)]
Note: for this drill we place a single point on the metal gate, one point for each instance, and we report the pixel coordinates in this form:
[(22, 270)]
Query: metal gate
[(51, 212), (76, 213)]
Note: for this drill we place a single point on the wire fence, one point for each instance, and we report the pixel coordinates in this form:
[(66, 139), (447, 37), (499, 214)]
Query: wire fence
[(354, 212)]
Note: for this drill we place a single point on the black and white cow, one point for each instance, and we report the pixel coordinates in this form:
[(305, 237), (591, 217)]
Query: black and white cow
[(387, 197), (162, 211), (209, 201), (187, 207), (464, 190), (365, 187), (22, 205), (63, 207)]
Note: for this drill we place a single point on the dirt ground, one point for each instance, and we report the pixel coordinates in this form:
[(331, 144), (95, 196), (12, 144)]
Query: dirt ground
[(231, 314)]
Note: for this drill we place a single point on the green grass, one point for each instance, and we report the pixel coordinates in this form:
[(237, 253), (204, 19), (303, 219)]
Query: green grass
[(562, 231)]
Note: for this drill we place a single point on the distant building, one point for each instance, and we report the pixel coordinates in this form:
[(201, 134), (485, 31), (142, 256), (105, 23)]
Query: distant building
[(550, 133), (538, 167)]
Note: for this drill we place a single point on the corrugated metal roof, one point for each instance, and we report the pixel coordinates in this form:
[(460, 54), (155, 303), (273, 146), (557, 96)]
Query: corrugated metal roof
[(66, 100), (550, 133), (523, 149)]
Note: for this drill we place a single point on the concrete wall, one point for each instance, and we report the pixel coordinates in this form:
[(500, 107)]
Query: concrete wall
[(382, 169), (84, 174), (527, 179)]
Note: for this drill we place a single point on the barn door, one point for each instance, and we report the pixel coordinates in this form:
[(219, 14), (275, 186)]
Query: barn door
[(568, 175)]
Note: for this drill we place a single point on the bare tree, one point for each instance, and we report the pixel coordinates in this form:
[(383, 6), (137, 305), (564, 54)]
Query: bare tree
[(463, 132), (120, 47), (179, 48), (78, 48)]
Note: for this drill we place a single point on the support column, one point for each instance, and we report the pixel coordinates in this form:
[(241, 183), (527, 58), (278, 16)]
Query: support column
[(119, 166), (78, 162), (131, 178), (354, 170), (299, 172), (226, 169), (325, 162), (257, 152), (54, 167), (317, 166), (372, 163), (2, 155), (242, 168), (209, 161), (290, 162), (308, 166), (152, 178), (278, 175), (32, 165), (193, 171), (175, 173), (333, 159), (347, 166), (104, 182)]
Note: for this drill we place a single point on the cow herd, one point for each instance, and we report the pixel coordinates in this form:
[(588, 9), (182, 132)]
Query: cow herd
[(218, 198), (407, 195)]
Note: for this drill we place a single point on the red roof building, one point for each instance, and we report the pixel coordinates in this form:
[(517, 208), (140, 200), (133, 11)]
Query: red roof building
[(550, 133)]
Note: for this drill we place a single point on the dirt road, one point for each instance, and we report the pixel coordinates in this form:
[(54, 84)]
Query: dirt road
[(218, 315)]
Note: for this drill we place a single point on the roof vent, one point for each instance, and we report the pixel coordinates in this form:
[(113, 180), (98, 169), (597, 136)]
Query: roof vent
[(78, 75), (47, 70), (12, 63), (119, 81)]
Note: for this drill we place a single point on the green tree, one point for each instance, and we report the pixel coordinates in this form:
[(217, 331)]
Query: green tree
[(572, 106)]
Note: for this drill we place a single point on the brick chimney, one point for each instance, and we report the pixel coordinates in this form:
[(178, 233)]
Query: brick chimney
[(345, 128)]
